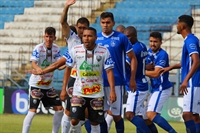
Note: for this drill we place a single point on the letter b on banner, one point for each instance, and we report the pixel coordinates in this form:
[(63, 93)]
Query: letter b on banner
[(19, 101)]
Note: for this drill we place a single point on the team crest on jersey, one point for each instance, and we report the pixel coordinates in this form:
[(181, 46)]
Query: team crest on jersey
[(109, 61), (73, 109), (112, 43), (98, 58)]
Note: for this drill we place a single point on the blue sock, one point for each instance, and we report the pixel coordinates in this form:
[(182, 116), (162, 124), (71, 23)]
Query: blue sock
[(140, 124), (190, 126), (104, 127), (160, 121), (87, 126), (119, 126), (153, 128), (197, 127)]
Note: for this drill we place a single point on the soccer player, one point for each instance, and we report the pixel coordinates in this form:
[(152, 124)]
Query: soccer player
[(72, 39), (118, 45), (120, 28), (136, 100), (190, 74), (41, 86), (160, 84)]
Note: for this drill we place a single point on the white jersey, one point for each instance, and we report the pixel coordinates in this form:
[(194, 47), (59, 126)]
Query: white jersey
[(73, 40), (44, 58), (89, 66)]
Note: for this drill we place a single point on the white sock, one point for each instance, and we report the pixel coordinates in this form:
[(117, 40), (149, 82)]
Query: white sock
[(27, 122), (95, 129), (109, 120), (57, 121), (82, 122), (75, 129), (65, 124)]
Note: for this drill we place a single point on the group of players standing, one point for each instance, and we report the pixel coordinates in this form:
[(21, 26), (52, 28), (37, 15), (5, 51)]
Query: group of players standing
[(92, 91)]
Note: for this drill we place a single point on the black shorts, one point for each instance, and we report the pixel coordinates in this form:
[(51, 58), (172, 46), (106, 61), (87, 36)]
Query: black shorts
[(49, 97), (94, 105), (69, 92)]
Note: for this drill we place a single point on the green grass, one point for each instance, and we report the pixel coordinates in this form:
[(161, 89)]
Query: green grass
[(11, 123)]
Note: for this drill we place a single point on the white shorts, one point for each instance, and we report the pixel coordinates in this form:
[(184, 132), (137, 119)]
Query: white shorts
[(116, 107), (158, 99), (135, 102), (191, 101)]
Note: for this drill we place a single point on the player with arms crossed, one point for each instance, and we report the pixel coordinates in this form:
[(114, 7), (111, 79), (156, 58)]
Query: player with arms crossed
[(190, 74), (41, 86), (118, 45), (160, 84)]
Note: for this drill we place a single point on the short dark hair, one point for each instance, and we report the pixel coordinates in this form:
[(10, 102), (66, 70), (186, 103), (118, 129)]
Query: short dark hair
[(50, 30), (187, 19), (83, 20), (93, 29), (73, 28), (156, 34), (107, 15)]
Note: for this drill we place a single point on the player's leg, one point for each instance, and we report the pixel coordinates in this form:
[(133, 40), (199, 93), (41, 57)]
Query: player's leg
[(116, 109), (77, 113), (95, 113), (109, 119), (34, 99), (52, 99), (196, 119), (192, 106), (134, 106), (155, 105)]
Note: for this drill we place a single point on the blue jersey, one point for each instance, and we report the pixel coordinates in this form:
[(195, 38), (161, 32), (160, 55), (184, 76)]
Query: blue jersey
[(141, 53), (160, 59), (191, 46), (118, 45)]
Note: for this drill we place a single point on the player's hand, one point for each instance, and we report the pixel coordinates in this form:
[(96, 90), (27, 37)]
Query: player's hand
[(36, 72), (164, 70), (70, 2), (183, 88), (133, 85), (63, 95), (150, 67), (113, 96)]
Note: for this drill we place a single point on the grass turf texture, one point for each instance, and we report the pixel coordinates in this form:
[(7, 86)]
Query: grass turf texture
[(11, 123)]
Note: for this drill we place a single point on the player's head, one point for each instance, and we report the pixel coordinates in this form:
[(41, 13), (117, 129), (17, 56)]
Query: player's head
[(155, 41), (81, 24), (184, 22), (131, 33), (120, 28), (49, 36), (107, 22), (89, 38)]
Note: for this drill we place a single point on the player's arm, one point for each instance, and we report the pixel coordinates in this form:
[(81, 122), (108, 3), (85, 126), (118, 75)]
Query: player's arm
[(111, 81), (63, 94), (169, 68), (133, 60), (35, 66), (154, 73), (63, 20), (62, 67)]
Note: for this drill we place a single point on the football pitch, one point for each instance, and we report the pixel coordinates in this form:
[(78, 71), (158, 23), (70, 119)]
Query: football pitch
[(11, 123)]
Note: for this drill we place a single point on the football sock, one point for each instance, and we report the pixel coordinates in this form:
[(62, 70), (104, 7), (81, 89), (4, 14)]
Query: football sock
[(153, 128), (197, 127), (57, 121), (109, 120), (88, 126), (190, 126), (119, 126), (140, 124), (75, 129), (27, 122), (163, 124), (103, 127), (65, 124), (95, 129)]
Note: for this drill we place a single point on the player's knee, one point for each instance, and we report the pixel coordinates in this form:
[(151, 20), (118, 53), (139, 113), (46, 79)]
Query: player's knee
[(150, 115), (187, 116), (74, 122), (129, 115)]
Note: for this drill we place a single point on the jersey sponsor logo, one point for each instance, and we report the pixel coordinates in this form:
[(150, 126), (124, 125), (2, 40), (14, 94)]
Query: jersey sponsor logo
[(79, 46), (86, 66), (109, 61), (98, 57), (77, 101), (86, 90), (35, 54), (99, 52), (102, 47), (80, 51), (70, 91), (88, 74), (90, 55), (115, 38), (73, 72), (97, 104), (162, 62), (45, 63), (44, 83), (83, 80), (144, 53), (42, 51), (36, 93), (52, 93), (192, 46), (100, 38)]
